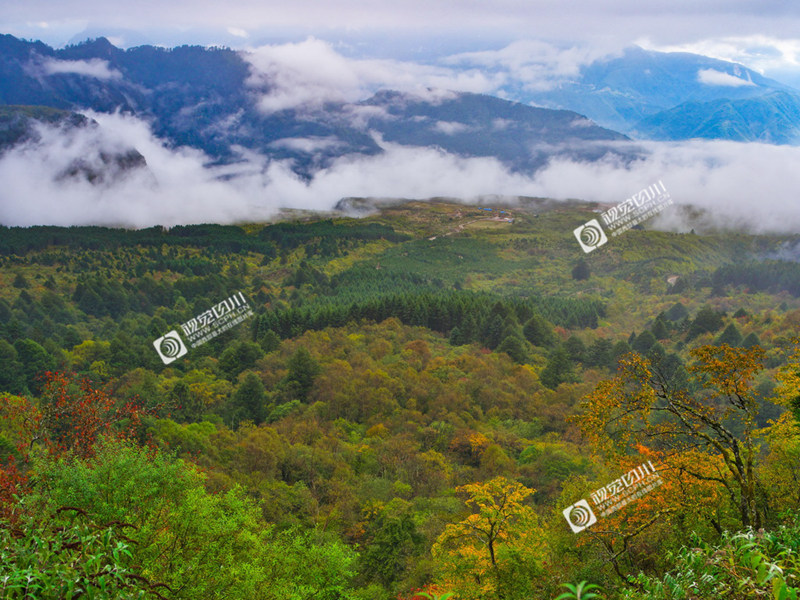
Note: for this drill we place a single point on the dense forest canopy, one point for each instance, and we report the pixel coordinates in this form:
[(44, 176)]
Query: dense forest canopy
[(417, 397)]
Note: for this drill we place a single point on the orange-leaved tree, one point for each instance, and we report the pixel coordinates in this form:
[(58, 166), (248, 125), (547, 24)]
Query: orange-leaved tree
[(782, 463), (715, 422)]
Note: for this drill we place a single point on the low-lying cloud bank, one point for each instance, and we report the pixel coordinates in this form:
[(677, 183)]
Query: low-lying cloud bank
[(752, 187)]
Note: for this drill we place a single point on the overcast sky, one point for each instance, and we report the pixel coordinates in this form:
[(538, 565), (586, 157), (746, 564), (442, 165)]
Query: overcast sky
[(763, 34)]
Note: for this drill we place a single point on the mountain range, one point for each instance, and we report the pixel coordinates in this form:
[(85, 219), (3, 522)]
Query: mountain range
[(201, 97), (205, 98), (678, 96)]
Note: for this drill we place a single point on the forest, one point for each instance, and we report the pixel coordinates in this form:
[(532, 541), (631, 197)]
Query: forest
[(418, 397)]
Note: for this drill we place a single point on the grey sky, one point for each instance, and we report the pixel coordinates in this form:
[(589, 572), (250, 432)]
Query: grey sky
[(663, 21), (762, 34)]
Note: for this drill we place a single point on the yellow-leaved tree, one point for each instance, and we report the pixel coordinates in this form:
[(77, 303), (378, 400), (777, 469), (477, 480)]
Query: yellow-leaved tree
[(496, 552)]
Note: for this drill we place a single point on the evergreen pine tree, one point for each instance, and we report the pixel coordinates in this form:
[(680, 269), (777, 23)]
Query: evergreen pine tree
[(514, 346), (539, 332), (660, 330), (303, 369), (581, 270), (731, 336), (559, 369), (750, 340), (249, 401)]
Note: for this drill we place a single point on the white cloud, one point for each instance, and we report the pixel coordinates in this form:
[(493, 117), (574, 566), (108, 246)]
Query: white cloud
[(745, 186), (714, 77), (451, 127), (582, 122), (748, 186), (174, 188), (308, 74), (94, 67), (537, 65), (359, 115), (308, 145), (238, 32), (761, 53)]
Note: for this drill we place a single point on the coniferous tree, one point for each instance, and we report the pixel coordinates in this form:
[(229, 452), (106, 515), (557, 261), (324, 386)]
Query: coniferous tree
[(239, 357), (677, 312), (621, 348), (269, 341), (514, 346), (575, 348), (600, 354), (707, 320), (539, 332), (750, 340), (493, 332), (731, 336), (581, 270), (559, 369), (303, 369), (660, 330), (457, 337), (20, 282), (643, 342), (249, 401)]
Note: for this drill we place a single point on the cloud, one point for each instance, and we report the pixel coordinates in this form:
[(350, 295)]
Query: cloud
[(184, 21), (714, 77), (451, 127), (762, 53), (176, 187), (536, 65), (741, 186), (749, 186), (310, 73), (238, 32), (582, 122), (94, 67), (308, 145)]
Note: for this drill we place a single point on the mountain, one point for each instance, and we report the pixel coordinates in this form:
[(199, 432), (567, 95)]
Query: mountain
[(624, 92), (202, 97), (22, 125), (18, 123), (476, 125), (773, 118)]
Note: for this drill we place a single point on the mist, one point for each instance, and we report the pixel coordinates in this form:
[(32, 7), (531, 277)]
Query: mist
[(743, 186)]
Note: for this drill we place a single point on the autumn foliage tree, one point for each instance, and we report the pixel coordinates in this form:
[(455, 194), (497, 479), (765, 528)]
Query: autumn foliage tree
[(640, 406), (496, 551), (70, 417)]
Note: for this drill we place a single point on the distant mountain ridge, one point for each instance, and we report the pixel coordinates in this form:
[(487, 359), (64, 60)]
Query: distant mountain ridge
[(773, 118), (200, 97), (674, 96), (204, 98)]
